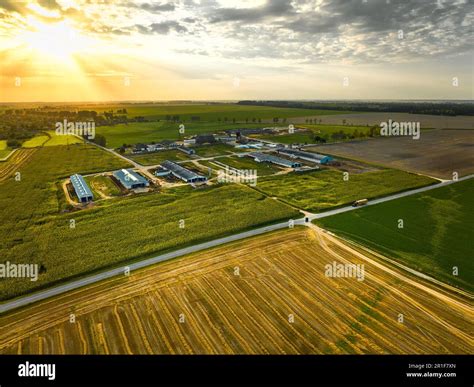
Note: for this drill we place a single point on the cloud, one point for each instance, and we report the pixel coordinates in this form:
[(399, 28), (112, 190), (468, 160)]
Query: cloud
[(273, 8)]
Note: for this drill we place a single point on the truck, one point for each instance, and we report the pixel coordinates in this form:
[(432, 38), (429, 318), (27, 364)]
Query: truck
[(360, 202)]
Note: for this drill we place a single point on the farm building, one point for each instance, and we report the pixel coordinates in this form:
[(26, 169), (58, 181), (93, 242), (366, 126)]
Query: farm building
[(183, 173), (160, 172), (188, 151), (130, 179), (83, 192), (205, 139), (309, 156), (262, 157), (225, 139)]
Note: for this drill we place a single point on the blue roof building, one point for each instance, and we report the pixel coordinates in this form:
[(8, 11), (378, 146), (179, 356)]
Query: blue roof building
[(130, 179), (83, 192)]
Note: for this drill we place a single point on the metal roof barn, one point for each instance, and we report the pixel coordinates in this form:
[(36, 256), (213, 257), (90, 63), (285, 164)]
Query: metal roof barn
[(262, 157), (83, 191), (183, 173), (314, 157), (130, 179)]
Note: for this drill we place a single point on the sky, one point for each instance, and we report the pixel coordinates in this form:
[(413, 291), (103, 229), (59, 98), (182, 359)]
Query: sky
[(104, 50)]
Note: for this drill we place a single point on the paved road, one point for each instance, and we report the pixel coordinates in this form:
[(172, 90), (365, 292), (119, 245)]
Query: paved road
[(75, 284)]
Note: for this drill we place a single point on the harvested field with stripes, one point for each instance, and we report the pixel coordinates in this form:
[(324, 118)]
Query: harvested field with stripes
[(267, 294), (14, 162)]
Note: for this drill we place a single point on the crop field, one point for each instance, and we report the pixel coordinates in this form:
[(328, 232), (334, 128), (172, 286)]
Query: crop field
[(208, 112), (265, 295), (41, 233), (437, 153), (319, 190), (15, 163), (437, 233)]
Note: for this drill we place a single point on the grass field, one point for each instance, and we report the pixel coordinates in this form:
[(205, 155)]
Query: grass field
[(147, 132), (209, 112), (133, 133), (36, 141), (34, 229), (102, 186), (50, 138), (263, 169), (214, 150), (281, 275), (158, 157), (437, 234), (320, 190)]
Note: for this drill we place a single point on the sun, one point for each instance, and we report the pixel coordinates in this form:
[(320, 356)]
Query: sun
[(58, 41)]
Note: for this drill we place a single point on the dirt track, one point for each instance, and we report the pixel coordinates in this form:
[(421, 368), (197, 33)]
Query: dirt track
[(281, 274)]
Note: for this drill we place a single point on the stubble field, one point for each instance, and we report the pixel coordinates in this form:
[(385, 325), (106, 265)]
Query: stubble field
[(281, 302)]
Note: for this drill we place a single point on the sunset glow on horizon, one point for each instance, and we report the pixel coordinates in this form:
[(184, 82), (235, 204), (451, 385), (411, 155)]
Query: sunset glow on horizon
[(58, 50)]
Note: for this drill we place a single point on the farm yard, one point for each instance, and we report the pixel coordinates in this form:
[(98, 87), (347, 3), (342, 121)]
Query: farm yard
[(266, 295), (437, 233), (320, 190), (150, 221), (437, 153)]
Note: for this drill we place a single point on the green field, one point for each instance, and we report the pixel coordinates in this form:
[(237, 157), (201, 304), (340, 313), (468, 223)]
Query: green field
[(50, 138), (437, 233), (4, 149), (319, 130), (147, 132), (102, 184), (35, 228), (133, 133), (158, 157), (213, 150), (209, 112), (320, 190), (36, 141)]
